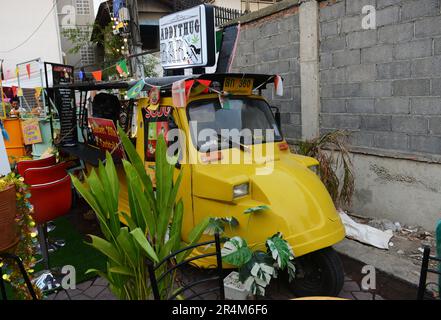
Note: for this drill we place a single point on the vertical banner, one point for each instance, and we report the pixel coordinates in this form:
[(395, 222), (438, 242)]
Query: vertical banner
[(65, 103), (4, 162)]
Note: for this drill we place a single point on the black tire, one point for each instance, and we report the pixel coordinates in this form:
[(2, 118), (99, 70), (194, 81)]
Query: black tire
[(319, 273)]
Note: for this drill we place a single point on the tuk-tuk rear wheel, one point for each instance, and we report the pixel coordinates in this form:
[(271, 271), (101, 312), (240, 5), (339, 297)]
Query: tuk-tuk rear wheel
[(319, 273)]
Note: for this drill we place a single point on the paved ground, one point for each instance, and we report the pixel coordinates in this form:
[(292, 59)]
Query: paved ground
[(97, 289)]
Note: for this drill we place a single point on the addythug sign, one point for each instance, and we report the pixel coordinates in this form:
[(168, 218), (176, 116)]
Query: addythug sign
[(187, 38)]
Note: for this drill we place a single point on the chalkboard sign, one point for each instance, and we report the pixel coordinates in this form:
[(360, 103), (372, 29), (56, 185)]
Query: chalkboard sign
[(65, 103)]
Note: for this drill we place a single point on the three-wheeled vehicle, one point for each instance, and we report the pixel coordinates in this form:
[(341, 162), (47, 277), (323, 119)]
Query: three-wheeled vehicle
[(225, 177)]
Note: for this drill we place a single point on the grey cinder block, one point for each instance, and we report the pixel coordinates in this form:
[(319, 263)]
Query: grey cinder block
[(364, 72), (333, 105), (428, 27), (396, 33), (393, 70), (346, 58), (376, 122), (332, 11), (419, 8), (410, 124), (391, 140), (393, 105), (429, 144), (360, 105), (376, 89), (416, 87), (362, 39), (413, 49), (427, 67), (426, 105), (340, 121), (435, 125), (379, 53)]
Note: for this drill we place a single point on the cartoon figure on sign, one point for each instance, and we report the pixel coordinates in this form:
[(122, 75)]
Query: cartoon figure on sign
[(154, 96), (162, 128)]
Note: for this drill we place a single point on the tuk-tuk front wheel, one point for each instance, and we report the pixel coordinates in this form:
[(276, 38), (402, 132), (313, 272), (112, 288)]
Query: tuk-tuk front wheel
[(318, 273)]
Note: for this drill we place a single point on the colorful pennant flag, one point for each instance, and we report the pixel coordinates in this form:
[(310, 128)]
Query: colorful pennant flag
[(17, 71), (136, 89), (200, 86), (20, 92), (14, 91), (278, 85), (2, 76), (121, 67), (97, 75), (178, 94), (38, 92), (81, 75), (28, 70)]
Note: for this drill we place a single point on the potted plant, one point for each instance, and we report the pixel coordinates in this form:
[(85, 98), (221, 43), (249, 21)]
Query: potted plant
[(17, 233), (8, 226), (256, 269)]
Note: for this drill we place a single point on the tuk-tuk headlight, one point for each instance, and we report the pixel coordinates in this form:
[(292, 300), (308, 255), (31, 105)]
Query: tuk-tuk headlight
[(314, 169), (241, 190)]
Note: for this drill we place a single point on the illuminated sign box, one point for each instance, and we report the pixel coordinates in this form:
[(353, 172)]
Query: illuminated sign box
[(187, 38)]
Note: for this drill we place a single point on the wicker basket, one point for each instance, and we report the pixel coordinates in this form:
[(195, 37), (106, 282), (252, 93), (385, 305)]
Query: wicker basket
[(8, 227)]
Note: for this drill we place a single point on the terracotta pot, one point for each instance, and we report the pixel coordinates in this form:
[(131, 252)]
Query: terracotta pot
[(8, 227)]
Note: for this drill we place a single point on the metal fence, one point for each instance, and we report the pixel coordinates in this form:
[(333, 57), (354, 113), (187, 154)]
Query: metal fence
[(223, 15)]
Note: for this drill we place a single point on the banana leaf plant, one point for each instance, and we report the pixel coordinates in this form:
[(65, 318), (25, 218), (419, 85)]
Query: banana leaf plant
[(152, 228)]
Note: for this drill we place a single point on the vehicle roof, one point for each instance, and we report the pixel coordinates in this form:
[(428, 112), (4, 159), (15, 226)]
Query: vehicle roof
[(260, 81)]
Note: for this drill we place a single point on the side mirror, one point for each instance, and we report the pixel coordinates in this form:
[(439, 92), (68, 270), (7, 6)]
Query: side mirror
[(277, 117)]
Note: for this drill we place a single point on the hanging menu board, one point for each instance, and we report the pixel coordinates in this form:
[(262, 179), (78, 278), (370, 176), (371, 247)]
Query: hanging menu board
[(65, 103)]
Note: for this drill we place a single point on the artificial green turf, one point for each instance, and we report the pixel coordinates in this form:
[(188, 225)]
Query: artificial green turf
[(75, 253)]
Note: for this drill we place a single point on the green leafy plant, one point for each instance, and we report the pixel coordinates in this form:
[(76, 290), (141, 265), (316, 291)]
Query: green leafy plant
[(153, 227), (331, 151), (218, 225), (256, 269)]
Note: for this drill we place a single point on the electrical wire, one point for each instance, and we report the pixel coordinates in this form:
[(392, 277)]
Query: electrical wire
[(34, 32)]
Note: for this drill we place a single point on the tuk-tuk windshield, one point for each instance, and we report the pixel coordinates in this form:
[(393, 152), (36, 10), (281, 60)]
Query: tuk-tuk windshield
[(230, 122)]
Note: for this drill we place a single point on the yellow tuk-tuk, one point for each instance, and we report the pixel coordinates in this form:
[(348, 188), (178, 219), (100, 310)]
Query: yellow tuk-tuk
[(225, 176)]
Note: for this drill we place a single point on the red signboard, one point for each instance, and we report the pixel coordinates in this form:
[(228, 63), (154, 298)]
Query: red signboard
[(106, 136)]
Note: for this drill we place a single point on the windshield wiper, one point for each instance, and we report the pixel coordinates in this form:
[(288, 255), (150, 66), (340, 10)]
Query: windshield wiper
[(234, 143)]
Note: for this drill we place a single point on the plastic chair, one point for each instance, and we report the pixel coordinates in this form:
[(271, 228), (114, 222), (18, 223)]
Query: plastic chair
[(23, 165), (41, 175), (50, 200), (45, 174)]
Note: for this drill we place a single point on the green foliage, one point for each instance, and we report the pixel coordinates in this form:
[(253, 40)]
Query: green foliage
[(256, 269), (152, 216), (324, 149), (217, 225), (280, 250), (236, 252), (256, 209)]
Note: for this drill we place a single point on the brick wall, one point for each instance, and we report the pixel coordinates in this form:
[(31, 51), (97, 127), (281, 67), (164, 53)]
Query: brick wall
[(271, 45), (384, 85)]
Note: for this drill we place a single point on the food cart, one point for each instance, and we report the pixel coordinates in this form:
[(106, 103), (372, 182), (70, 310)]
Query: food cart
[(280, 187)]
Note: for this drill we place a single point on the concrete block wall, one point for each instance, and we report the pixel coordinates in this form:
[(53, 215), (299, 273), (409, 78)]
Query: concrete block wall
[(384, 85), (271, 45)]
